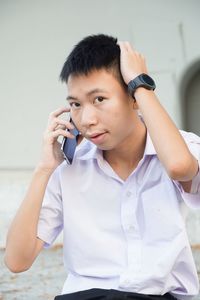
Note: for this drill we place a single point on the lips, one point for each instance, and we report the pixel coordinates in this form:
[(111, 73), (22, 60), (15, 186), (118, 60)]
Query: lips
[(97, 138), (94, 135)]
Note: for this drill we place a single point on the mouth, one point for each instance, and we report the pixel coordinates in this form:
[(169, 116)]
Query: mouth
[(97, 138)]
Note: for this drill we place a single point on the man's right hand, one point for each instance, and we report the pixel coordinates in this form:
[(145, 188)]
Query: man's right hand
[(51, 155), (23, 244)]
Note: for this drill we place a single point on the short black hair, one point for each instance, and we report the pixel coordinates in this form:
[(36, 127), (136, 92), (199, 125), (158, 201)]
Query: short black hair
[(94, 52)]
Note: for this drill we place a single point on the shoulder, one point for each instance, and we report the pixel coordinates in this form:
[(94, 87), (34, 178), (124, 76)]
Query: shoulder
[(190, 136), (193, 142)]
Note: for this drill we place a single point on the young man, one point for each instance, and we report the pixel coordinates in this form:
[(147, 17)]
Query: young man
[(119, 202)]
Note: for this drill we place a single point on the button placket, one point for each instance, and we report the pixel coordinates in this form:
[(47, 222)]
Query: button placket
[(134, 255), (130, 225), (128, 212), (131, 228), (128, 194)]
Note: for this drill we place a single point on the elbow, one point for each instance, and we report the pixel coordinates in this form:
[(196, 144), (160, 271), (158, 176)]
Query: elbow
[(182, 170), (14, 266)]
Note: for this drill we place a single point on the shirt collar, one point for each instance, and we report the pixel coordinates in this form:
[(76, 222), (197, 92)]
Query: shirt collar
[(87, 150)]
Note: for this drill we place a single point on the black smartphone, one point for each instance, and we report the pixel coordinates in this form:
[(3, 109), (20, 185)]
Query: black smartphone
[(68, 146)]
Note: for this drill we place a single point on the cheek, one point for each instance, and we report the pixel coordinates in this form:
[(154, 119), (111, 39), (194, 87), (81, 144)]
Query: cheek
[(114, 110), (122, 114), (76, 119)]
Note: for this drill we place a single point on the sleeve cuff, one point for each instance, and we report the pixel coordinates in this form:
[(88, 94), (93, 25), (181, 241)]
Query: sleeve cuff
[(192, 199), (48, 239), (45, 239), (195, 189)]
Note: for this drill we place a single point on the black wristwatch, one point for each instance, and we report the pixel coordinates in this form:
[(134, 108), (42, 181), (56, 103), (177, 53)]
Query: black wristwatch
[(143, 80)]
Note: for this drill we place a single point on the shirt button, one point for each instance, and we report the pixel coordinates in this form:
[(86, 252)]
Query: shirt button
[(126, 282), (131, 228), (128, 194)]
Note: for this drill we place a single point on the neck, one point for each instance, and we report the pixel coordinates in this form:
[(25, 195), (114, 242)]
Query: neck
[(125, 158)]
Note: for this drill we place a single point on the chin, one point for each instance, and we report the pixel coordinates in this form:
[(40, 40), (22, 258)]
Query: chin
[(105, 147)]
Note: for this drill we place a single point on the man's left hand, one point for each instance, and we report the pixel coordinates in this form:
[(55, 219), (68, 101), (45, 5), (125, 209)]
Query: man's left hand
[(132, 63)]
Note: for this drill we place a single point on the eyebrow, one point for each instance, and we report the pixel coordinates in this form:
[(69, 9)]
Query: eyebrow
[(94, 91)]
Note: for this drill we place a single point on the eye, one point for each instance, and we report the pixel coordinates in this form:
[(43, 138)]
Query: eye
[(74, 105), (99, 99)]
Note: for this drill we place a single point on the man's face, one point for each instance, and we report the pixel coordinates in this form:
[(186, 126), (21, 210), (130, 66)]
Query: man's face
[(101, 109)]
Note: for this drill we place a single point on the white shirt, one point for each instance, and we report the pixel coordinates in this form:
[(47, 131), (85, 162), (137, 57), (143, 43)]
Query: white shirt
[(125, 235)]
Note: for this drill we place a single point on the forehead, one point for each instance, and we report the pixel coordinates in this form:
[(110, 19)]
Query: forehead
[(97, 79)]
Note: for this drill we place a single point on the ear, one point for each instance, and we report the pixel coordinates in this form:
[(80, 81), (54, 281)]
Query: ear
[(133, 103)]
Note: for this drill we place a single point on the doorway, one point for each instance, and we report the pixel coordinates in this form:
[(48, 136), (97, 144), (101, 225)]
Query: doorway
[(191, 99)]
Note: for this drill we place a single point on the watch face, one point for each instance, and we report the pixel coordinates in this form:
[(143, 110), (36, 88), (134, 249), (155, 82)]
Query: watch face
[(147, 79), (143, 80)]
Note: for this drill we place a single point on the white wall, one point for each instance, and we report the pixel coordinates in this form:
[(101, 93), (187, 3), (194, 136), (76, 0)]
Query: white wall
[(35, 38)]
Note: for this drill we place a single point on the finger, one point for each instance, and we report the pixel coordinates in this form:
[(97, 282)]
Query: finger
[(122, 46), (59, 111), (138, 54), (145, 70), (60, 127), (144, 64), (61, 132), (128, 47), (54, 123)]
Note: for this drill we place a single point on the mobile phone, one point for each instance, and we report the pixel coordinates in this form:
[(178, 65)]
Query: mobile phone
[(68, 146)]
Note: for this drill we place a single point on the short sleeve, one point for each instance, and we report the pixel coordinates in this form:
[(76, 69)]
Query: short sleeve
[(51, 214), (192, 199)]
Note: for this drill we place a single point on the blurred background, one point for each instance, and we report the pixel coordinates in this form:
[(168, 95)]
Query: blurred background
[(35, 39)]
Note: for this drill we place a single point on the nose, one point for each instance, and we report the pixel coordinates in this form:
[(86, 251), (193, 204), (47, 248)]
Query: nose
[(88, 116)]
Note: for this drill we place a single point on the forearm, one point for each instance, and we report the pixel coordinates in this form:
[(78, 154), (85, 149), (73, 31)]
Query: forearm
[(22, 235), (168, 142), (22, 244)]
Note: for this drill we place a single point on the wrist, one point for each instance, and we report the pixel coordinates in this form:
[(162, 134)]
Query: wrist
[(141, 81), (131, 77), (141, 92), (44, 170)]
